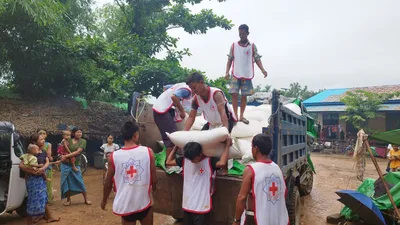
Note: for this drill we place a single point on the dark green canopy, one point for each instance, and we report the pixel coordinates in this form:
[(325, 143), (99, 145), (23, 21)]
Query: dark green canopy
[(390, 137)]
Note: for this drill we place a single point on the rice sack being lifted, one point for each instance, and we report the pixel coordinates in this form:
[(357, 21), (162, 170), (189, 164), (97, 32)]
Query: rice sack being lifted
[(210, 140)]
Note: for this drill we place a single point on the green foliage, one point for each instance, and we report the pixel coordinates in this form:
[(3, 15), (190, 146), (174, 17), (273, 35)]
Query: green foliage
[(361, 107), (62, 48), (297, 91), (40, 61), (222, 84), (258, 88), (42, 12)]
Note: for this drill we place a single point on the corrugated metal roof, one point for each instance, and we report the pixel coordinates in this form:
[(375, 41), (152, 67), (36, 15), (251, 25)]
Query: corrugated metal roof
[(325, 94), (329, 108), (390, 107), (334, 95), (342, 108)]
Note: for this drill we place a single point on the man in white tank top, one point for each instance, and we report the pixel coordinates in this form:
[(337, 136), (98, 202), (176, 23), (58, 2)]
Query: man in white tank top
[(213, 103), (133, 172), (263, 187), (198, 176), (241, 57), (168, 110)]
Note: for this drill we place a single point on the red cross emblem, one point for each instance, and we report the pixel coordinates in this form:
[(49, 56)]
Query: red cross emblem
[(273, 188), (201, 170), (247, 53), (132, 171)]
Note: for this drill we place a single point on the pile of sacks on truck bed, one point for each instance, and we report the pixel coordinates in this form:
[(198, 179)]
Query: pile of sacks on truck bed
[(242, 134)]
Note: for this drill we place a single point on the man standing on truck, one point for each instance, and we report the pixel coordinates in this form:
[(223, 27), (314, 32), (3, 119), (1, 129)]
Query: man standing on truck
[(165, 116), (198, 175), (241, 57), (264, 187), (212, 101), (134, 172)]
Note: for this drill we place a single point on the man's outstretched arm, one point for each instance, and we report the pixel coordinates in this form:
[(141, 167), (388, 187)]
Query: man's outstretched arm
[(243, 193)]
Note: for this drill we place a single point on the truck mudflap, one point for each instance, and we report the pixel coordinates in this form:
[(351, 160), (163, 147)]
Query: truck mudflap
[(168, 197)]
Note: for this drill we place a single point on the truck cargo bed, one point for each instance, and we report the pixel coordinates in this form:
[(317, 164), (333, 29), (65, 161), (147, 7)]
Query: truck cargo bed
[(168, 197)]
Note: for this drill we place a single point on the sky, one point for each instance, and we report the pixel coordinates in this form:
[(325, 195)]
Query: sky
[(319, 43)]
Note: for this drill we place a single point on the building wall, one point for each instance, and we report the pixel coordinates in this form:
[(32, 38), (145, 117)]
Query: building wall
[(320, 118), (342, 123), (378, 123)]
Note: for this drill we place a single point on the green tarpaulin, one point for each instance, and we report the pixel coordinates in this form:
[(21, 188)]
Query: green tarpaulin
[(373, 150), (390, 137), (383, 202), (236, 170), (82, 101), (160, 162), (310, 121), (310, 163), (123, 106)]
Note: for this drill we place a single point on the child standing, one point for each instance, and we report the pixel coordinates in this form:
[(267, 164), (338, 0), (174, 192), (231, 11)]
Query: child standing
[(30, 160), (108, 148), (199, 171), (63, 149), (394, 157)]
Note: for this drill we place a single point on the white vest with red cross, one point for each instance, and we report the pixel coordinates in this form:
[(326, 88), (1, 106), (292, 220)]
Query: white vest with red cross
[(210, 108), (268, 190), (197, 186), (243, 61), (132, 180), (164, 101)]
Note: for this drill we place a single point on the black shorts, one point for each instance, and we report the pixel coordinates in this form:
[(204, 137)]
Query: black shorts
[(196, 219), (165, 123), (249, 220), (137, 216)]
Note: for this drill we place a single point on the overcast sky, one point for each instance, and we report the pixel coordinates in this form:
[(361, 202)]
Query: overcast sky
[(319, 43)]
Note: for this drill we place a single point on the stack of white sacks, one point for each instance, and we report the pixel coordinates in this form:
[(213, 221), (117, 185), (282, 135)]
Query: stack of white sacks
[(242, 134)]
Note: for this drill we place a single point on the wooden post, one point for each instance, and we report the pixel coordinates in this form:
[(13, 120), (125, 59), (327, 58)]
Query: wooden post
[(396, 210)]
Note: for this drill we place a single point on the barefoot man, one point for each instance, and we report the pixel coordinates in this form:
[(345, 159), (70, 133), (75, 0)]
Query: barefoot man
[(241, 57)]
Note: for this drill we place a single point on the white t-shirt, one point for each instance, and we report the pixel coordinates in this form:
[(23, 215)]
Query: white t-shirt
[(109, 148)]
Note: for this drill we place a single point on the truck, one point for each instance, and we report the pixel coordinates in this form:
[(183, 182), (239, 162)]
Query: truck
[(288, 132), (12, 183)]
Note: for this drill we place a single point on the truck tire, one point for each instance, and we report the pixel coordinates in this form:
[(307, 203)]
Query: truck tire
[(21, 210), (294, 206), (306, 186)]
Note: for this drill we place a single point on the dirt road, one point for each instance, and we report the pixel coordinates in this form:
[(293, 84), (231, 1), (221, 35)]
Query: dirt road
[(333, 173)]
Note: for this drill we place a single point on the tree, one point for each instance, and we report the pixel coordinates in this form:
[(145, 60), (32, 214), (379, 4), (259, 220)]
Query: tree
[(40, 60), (139, 30), (43, 12), (102, 55), (258, 88), (297, 91), (361, 107), (222, 84)]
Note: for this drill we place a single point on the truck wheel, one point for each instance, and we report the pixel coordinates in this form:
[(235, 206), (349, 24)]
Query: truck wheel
[(21, 210), (294, 207), (307, 184)]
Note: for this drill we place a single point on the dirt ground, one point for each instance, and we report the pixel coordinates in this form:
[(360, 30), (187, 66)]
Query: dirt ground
[(334, 172)]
